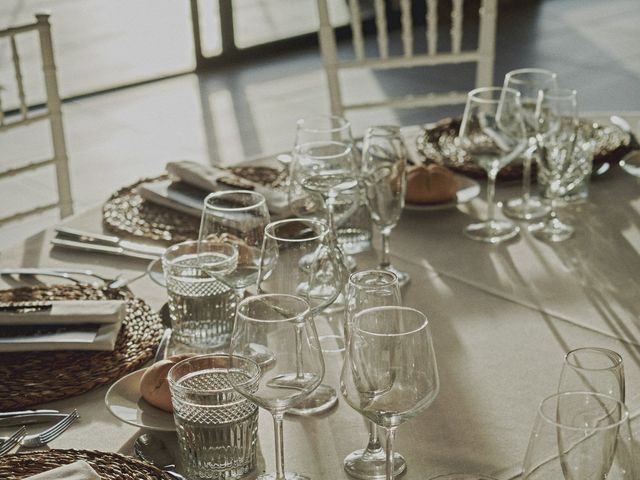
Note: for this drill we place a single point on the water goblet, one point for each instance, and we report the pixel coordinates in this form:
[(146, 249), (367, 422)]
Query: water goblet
[(389, 373), (492, 134), (528, 81), (384, 159), (285, 325), (580, 436), (367, 289), (593, 369)]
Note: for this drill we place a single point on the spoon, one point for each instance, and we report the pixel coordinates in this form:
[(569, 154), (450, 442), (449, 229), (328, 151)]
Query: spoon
[(153, 450)]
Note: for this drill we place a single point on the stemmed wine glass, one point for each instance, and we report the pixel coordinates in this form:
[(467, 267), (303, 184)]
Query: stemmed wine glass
[(284, 323), (389, 373), (367, 289), (563, 156), (580, 436), (593, 369), (528, 81), (492, 134), (299, 259), (384, 159)]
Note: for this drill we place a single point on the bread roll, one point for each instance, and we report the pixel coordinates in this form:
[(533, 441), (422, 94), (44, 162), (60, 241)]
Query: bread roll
[(154, 385), (430, 184)]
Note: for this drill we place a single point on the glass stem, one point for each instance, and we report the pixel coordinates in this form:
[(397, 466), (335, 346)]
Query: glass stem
[(491, 195), (278, 418), (374, 441), (299, 373), (391, 438), (526, 173), (385, 262)]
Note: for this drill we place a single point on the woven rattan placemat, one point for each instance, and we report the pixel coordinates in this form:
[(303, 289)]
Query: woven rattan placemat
[(110, 466), (31, 378)]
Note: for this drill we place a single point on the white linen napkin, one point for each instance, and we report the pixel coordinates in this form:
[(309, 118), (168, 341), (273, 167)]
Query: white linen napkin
[(67, 312), (79, 470)]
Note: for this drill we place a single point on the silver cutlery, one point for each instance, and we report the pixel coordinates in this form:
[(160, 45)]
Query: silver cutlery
[(101, 248), (162, 347), (69, 272), (51, 433), (26, 412), (111, 240), (30, 418), (8, 444)]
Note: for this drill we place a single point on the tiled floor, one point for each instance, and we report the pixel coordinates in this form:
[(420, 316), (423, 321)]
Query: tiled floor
[(249, 110)]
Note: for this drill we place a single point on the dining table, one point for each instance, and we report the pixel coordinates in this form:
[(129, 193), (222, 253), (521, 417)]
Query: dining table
[(502, 318)]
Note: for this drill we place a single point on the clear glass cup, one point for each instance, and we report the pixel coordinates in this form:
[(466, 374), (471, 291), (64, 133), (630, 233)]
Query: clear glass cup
[(216, 426), (298, 258), (492, 134), (285, 325), (201, 306), (384, 172), (580, 436), (593, 369), (367, 289), (389, 373), (528, 81)]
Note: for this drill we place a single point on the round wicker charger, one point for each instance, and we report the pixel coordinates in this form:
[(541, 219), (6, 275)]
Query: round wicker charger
[(32, 378), (110, 466)]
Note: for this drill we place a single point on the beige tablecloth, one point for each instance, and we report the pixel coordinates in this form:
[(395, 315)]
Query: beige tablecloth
[(502, 318)]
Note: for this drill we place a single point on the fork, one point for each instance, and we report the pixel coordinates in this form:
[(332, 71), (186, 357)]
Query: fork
[(51, 433), (13, 440)]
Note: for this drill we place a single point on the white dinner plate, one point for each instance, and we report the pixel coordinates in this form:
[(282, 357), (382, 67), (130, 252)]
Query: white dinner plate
[(468, 189), (125, 403)]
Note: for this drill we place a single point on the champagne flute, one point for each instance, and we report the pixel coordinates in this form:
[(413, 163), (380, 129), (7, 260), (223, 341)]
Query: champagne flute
[(580, 436), (528, 81), (492, 134), (285, 324), (367, 289), (384, 160), (593, 369), (389, 373), (299, 259)]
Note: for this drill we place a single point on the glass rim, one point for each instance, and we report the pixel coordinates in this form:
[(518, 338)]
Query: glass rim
[(261, 200), (559, 93), (269, 229), (175, 383), (392, 278), (176, 246), (298, 149), (254, 298), (519, 71), (345, 124), (475, 94), (357, 316), (624, 417), (615, 357)]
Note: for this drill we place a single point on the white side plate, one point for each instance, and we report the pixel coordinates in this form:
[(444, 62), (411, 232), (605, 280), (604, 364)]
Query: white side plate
[(468, 190)]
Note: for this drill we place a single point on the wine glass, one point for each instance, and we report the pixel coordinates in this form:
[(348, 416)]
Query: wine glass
[(492, 134), (299, 259), (367, 289), (389, 373), (563, 155), (316, 128), (593, 369), (580, 436), (528, 81), (285, 324), (238, 217), (384, 160)]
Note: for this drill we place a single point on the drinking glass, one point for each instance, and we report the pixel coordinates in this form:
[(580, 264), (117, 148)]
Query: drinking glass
[(237, 217), (384, 160), (299, 259), (367, 289), (492, 134), (562, 156), (389, 373), (217, 427), (528, 81), (315, 128), (593, 369), (285, 324), (201, 306), (580, 436)]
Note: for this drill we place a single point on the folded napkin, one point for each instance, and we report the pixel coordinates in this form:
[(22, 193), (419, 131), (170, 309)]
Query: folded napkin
[(208, 179), (61, 325), (79, 470)]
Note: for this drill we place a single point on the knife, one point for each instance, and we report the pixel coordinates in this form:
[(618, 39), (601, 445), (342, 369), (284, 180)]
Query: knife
[(30, 418), (25, 412), (97, 247), (112, 240)]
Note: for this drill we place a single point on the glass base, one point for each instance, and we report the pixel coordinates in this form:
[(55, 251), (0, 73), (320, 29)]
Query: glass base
[(287, 476), (521, 209), (403, 277), (495, 231), (552, 230), (372, 465), (321, 399)]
